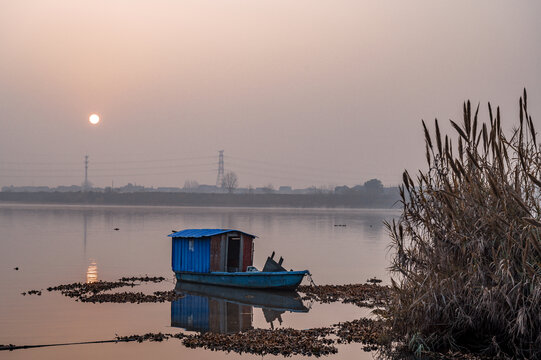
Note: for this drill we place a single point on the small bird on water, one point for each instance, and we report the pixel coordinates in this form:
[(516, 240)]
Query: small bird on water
[(116, 229), (16, 268)]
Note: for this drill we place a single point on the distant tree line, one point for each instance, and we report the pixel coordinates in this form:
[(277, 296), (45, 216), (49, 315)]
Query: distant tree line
[(355, 200)]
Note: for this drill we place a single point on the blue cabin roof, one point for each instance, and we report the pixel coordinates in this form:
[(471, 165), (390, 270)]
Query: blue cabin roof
[(203, 233)]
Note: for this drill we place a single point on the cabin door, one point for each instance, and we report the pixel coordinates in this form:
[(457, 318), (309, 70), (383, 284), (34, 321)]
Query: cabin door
[(233, 254)]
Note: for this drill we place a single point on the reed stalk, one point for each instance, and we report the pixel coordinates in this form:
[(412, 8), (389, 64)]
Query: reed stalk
[(466, 260)]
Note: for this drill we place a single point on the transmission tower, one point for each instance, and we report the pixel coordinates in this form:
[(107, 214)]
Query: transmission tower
[(85, 184), (220, 176)]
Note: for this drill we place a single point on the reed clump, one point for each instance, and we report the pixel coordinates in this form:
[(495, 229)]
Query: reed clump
[(467, 247)]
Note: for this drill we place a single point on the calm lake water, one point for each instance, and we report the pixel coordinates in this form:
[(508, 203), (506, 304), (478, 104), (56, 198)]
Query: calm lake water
[(54, 245)]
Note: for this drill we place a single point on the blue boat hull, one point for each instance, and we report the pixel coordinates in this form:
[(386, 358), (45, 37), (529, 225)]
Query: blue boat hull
[(281, 280)]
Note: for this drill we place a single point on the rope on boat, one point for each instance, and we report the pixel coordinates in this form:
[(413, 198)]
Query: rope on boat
[(312, 283)]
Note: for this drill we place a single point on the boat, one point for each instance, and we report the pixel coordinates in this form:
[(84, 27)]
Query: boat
[(224, 257), (283, 280)]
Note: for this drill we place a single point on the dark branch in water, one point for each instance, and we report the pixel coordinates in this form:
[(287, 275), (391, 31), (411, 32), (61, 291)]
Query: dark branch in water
[(12, 347)]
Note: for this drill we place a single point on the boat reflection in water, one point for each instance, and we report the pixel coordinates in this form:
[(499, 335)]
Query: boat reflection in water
[(209, 308)]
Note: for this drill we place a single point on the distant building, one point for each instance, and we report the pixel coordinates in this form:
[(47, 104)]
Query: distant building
[(168, 189), (285, 190), (130, 188), (12, 188), (72, 188), (209, 189)]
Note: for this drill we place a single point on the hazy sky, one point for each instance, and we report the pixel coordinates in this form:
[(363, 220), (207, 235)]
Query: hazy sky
[(297, 92)]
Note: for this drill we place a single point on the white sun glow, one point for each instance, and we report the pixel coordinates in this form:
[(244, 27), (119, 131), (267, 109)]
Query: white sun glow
[(94, 119)]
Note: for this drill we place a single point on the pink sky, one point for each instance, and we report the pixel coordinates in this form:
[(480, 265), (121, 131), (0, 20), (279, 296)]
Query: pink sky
[(297, 93)]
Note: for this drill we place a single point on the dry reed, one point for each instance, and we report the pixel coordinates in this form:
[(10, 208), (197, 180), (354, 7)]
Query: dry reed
[(467, 248)]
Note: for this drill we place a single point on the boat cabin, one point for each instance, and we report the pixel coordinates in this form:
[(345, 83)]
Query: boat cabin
[(211, 250)]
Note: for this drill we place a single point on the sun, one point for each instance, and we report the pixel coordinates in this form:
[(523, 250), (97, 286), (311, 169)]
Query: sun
[(94, 119)]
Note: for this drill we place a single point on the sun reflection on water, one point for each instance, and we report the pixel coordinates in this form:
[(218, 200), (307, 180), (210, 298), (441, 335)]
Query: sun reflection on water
[(92, 272)]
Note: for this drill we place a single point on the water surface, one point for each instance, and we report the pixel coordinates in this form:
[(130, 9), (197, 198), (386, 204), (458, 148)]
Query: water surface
[(54, 245)]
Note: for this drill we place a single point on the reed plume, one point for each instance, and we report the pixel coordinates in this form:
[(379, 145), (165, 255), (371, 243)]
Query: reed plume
[(466, 250)]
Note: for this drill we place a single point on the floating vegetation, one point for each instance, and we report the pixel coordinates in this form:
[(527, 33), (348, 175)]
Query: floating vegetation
[(153, 279), (95, 292), (267, 342), (132, 297), (363, 295), (366, 331), (310, 342), (157, 337), (374, 280), (79, 290), (372, 334), (467, 247), (32, 292)]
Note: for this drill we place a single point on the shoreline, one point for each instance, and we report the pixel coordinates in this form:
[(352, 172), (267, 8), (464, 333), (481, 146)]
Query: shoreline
[(293, 201)]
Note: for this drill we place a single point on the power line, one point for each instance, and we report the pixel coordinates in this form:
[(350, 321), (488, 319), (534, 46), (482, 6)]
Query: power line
[(108, 168), (305, 171), (155, 160), (333, 176), (289, 177), (72, 163), (39, 163), (107, 175), (282, 165), (180, 165), (154, 167)]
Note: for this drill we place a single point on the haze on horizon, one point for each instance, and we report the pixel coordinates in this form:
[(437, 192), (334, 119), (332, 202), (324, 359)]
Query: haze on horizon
[(297, 93)]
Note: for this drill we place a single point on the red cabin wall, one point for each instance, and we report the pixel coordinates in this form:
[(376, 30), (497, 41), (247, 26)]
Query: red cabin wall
[(247, 252)]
